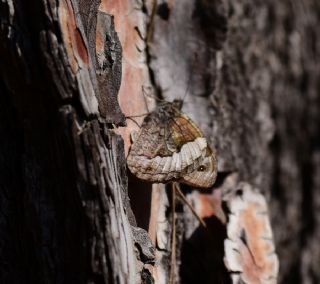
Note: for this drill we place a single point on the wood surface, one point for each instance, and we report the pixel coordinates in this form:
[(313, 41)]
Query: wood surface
[(73, 71)]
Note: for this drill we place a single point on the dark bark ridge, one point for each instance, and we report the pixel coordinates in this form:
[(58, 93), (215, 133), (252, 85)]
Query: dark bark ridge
[(69, 198), (65, 215)]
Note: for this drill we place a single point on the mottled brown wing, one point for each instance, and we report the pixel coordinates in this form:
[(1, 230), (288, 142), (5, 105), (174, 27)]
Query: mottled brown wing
[(151, 140), (163, 132), (170, 147), (183, 130)]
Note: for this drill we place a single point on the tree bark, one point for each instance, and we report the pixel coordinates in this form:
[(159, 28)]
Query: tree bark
[(72, 71)]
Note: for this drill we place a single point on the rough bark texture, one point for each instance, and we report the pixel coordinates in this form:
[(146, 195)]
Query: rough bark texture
[(70, 72), (64, 195)]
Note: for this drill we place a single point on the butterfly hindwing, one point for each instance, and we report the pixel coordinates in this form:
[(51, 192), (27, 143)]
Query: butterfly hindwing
[(170, 147)]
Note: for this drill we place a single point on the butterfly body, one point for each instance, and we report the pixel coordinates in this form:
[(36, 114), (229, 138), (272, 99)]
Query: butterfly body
[(170, 147)]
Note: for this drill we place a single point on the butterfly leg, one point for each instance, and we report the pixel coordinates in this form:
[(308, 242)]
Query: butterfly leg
[(177, 186)]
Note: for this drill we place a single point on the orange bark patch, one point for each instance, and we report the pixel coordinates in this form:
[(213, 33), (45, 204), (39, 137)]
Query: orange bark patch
[(99, 42), (72, 37), (80, 46), (249, 248), (134, 72), (211, 205), (254, 254)]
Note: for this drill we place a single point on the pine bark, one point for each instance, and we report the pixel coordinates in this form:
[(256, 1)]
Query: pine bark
[(70, 73)]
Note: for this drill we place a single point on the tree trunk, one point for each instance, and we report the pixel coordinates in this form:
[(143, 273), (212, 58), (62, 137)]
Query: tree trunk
[(72, 71)]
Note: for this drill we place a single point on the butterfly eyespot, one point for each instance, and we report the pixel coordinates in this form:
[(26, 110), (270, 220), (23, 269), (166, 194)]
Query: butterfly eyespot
[(201, 168)]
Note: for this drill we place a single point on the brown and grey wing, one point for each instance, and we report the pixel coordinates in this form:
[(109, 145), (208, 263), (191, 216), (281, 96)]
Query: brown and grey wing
[(205, 174), (164, 169), (183, 130)]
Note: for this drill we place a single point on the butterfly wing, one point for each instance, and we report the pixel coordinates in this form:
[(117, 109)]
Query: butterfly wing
[(170, 147)]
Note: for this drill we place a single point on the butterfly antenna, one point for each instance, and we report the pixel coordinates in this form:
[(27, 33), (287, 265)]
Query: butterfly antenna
[(185, 200), (189, 78), (150, 95), (144, 93), (188, 86)]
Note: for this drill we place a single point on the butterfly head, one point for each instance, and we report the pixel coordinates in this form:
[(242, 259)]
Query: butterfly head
[(177, 103)]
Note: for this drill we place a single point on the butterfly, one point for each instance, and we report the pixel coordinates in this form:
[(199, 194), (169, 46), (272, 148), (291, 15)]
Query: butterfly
[(170, 147)]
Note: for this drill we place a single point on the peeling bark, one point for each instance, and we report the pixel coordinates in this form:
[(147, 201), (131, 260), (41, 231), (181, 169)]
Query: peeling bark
[(76, 220), (72, 71)]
